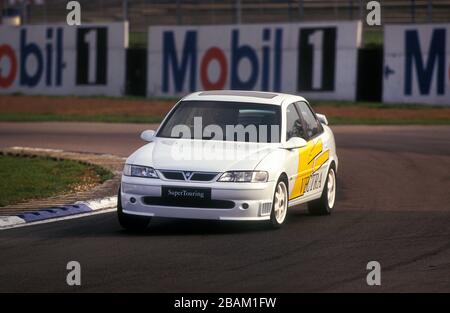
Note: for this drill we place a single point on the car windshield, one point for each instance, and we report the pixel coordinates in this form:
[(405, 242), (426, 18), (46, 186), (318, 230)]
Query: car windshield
[(220, 120)]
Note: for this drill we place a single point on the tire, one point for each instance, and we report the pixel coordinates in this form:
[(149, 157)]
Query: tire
[(324, 205), (128, 221), (279, 204)]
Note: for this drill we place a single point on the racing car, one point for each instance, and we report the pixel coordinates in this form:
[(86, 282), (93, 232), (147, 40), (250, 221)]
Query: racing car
[(231, 155)]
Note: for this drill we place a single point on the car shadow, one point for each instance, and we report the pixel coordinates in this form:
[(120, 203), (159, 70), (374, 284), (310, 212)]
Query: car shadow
[(176, 227)]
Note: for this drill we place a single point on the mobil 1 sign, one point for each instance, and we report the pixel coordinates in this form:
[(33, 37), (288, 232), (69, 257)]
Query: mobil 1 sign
[(417, 64), (63, 60), (317, 60)]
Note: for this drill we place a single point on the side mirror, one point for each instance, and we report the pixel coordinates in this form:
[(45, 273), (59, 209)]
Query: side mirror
[(148, 135), (294, 143), (322, 118)]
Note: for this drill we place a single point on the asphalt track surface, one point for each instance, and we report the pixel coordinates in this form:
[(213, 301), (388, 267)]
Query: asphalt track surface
[(393, 206)]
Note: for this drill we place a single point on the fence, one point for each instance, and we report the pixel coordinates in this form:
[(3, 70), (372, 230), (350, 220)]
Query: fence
[(143, 13)]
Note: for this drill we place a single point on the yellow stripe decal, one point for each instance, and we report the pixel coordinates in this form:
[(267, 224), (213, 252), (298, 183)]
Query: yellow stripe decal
[(311, 158)]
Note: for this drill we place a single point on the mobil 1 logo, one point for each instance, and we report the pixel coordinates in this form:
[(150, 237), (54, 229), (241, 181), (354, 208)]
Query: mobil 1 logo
[(316, 59), (92, 55)]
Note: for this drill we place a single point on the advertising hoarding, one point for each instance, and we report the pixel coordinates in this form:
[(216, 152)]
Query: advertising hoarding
[(63, 60), (316, 60), (417, 64)]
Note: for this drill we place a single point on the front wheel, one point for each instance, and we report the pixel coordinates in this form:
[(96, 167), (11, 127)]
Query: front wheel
[(128, 221), (325, 203), (279, 205)]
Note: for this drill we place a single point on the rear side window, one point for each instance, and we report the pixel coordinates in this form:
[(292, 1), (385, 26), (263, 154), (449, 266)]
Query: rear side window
[(312, 126), (294, 126)]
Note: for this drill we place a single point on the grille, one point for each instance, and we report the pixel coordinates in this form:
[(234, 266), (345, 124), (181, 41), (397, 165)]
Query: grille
[(203, 176), (195, 176), (173, 175), (203, 204), (265, 208)]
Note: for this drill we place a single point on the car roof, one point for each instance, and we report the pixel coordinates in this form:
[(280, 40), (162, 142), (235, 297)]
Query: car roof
[(262, 97)]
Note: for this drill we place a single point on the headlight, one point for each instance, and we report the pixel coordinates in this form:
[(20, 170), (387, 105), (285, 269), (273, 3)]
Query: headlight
[(139, 171), (244, 177)]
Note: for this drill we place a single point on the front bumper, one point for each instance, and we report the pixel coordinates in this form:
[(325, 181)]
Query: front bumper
[(258, 197)]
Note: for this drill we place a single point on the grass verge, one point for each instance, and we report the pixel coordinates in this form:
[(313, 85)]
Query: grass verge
[(334, 120), (27, 178)]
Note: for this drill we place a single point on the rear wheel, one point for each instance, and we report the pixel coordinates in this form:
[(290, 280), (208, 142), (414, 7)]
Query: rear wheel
[(279, 205), (128, 221), (325, 203)]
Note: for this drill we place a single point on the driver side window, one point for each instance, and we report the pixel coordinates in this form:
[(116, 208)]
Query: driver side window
[(312, 126), (294, 125)]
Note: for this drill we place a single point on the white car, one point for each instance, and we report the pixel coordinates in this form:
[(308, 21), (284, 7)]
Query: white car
[(231, 155)]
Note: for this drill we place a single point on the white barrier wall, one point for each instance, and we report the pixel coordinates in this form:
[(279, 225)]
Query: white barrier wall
[(316, 60), (417, 64), (63, 60)]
